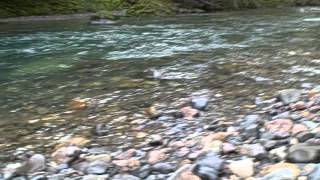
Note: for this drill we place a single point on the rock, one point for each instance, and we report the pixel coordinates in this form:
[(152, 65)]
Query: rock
[(214, 146), (242, 168), (102, 22), (97, 167), (157, 156), (156, 140), (206, 141), (72, 141), (254, 150), (228, 148), (304, 136), (288, 96), (96, 177), (200, 103), (300, 105), (124, 177), (298, 128), (311, 125), (250, 126), (163, 168), (127, 165), (315, 174), (100, 157), (208, 167), (283, 171), (188, 175), (65, 155), (280, 152), (11, 170), (36, 163), (303, 153), (280, 128), (78, 104), (152, 112), (126, 155), (189, 113)]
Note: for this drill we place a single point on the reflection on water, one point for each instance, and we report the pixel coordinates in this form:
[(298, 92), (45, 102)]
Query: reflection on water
[(231, 57)]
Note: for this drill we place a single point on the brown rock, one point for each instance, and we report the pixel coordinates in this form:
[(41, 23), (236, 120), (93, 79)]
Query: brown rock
[(152, 112), (127, 165), (65, 154), (157, 156), (188, 175), (279, 127), (189, 113), (77, 104), (280, 166), (297, 128), (72, 141), (300, 105), (126, 155)]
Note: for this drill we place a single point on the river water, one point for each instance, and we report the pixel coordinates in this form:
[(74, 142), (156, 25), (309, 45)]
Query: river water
[(235, 58)]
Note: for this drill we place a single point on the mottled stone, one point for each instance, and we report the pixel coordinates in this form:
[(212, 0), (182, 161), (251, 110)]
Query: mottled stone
[(242, 168)]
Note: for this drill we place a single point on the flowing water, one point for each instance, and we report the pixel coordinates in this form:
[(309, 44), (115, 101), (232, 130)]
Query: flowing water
[(231, 57)]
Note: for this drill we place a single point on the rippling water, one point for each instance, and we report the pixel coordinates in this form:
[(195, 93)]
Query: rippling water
[(231, 57)]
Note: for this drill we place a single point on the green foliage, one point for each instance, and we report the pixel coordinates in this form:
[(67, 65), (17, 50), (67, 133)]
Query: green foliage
[(157, 7)]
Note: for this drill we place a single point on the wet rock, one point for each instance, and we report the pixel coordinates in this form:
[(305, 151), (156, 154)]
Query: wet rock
[(78, 104), (288, 96), (254, 150), (278, 171), (152, 112), (72, 141), (208, 167), (189, 113), (157, 156), (200, 103), (97, 167), (242, 168), (156, 140), (36, 163), (280, 128), (102, 22), (163, 168), (124, 177), (96, 177), (127, 165), (303, 153)]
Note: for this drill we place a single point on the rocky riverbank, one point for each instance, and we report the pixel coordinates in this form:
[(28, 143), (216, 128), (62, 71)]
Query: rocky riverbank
[(279, 140)]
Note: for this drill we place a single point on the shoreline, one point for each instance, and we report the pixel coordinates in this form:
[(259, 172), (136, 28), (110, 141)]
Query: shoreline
[(48, 18)]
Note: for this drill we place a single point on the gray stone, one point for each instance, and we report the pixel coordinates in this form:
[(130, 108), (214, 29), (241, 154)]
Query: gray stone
[(200, 103), (303, 153), (288, 96), (36, 163), (163, 168), (97, 167), (124, 177), (208, 167), (255, 150), (95, 177)]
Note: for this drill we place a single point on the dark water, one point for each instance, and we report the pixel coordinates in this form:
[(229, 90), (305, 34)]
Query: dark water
[(230, 57)]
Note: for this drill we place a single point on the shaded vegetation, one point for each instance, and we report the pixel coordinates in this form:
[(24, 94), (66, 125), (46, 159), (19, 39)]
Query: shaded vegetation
[(12, 8)]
